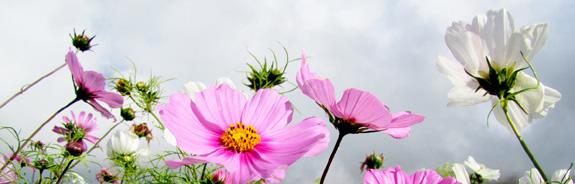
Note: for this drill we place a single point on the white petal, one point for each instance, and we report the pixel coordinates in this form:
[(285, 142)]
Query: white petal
[(465, 96), (472, 164), (191, 88), (461, 174), (463, 93), (467, 47), (170, 138), (226, 80), (496, 33), (531, 177), (562, 176), (551, 96), (534, 38)]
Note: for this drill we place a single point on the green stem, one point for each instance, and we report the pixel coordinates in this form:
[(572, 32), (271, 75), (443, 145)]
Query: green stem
[(28, 86), (64, 171), (36, 132), (203, 171), (331, 156), (524, 145)]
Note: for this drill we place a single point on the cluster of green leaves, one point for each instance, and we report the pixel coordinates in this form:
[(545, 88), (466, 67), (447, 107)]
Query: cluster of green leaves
[(267, 75)]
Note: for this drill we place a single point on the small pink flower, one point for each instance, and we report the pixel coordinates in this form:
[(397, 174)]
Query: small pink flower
[(250, 138), (77, 128), (355, 107), (90, 87), (105, 176), (397, 176)]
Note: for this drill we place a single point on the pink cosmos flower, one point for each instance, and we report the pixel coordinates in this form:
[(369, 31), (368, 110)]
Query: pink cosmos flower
[(105, 177), (90, 87), (77, 128), (250, 138), (397, 176), (355, 106)]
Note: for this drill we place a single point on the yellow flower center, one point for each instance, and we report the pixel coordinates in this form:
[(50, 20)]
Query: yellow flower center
[(240, 138)]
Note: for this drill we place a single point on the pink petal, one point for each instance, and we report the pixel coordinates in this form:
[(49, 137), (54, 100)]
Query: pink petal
[(278, 175), (398, 133), (113, 100), (100, 109), (74, 66), (61, 139), (220, 105), (186, 161), (93, 81), (267, 111), (59, 130), (385, 176), (362, 107), (284, 147), (91, 138), (448, 180), (191, 134), (304, 72), (404, 119), (426, 177), (321, 91)]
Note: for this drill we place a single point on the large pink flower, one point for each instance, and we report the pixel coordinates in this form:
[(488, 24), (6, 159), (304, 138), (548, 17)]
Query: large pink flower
[(250, 138), (355, 106), (77, 128), (397, 176), (90, 87)]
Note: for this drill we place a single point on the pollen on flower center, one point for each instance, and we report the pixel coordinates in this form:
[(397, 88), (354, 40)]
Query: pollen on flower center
[(240, 138)]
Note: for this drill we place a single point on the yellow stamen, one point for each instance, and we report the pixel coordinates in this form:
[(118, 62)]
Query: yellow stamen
[(240, 138)]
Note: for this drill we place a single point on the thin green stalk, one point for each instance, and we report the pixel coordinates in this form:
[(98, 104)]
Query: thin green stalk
[(203, 171), (64, 171), (28, 86), (36, 132), (331, 156), (524, 145)]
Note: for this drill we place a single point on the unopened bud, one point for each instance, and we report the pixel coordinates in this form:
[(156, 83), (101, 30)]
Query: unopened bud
[(128, 114), (141, 86), (76, 148), (82, 41), (372, 161), (142, 130), (123, 86)]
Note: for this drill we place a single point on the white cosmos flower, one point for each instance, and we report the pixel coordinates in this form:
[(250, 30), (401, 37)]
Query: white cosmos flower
[(494, 36), (486, 173), (561, 176), (125, 142)]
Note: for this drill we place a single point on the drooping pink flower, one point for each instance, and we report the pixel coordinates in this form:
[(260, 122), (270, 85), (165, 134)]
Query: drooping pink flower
[(90, 87), (355, 106), (250, 138), (398, 176), (77, 128)]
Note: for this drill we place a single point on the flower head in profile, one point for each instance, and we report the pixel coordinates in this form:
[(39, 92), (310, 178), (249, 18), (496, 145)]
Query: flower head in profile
[(7, 175), (479, 172), (124, 149), (250, 138), (562, 176), (90, 87), (398, 176), (492, 58), (357, 111), (81, 41), (75, 130)]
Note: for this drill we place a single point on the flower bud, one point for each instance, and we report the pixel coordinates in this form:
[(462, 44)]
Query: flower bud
[(141, 86), (372, 161), (82, 41), (76, 148), (219, 177), (123, 86), (38, 145), (142, 130), (128, 114), (42, 164)]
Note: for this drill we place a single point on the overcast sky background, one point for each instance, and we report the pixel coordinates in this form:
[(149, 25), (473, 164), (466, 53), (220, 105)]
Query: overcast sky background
[(386, 47)]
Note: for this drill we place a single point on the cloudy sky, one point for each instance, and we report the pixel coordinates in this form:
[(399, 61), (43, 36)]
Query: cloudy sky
[(386, 47)]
